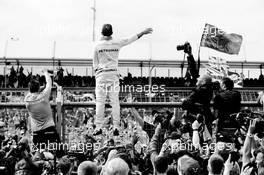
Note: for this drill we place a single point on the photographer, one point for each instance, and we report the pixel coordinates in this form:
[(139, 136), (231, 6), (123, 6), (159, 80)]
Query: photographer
[(192, 73), (198, 102)]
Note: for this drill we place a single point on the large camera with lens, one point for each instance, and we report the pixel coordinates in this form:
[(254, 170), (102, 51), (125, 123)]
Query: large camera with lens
[(185, 47)]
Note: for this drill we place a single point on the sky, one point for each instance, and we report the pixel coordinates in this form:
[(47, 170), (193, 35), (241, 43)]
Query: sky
[(34, 25)]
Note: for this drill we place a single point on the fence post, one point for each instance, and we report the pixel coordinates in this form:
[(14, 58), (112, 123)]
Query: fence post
[(60, 120)]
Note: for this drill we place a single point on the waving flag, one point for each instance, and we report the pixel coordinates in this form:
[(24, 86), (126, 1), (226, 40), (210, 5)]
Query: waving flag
[(219, 40), (218, 63), (218, 68)]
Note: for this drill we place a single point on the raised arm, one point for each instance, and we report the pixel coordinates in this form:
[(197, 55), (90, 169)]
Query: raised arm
[(137, 117), (145, 32), (196, 138), (47, 89), (247, 144), (135, 37), (154, 144)]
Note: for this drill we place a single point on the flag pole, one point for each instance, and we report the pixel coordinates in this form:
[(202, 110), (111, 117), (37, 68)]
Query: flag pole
[(182, 65), (150, 69), (53, 60), (245, 55), (199, 49), (198, 61), (94, 18), (5, 61)]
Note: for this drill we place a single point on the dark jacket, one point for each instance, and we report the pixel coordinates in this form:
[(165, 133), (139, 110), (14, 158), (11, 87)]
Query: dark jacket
[(198, 102), (226, 103)]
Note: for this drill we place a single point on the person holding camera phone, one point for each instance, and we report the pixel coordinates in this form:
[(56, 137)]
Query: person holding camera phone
[(38, 106), (105, 64)]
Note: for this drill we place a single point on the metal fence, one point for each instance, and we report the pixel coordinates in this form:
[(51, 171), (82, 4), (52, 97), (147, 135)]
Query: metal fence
[(84, 98)]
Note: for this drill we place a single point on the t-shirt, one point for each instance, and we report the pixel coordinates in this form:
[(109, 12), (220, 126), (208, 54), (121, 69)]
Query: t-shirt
[(39, 109), (106, 53)]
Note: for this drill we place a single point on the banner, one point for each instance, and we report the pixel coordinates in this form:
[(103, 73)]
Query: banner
[(218, 63), (219, 40), (218, 68), (237, 78)]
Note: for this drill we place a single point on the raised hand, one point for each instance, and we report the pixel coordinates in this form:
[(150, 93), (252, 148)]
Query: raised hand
[(147, 31), (247, 171)]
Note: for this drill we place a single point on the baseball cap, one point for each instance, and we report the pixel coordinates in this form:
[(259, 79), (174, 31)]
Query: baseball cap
[(107, 30)]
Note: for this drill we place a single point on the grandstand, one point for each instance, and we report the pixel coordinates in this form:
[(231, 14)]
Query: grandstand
[(78, 91), (175, 86)]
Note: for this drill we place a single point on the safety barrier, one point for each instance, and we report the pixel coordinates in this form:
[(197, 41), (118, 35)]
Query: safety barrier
[(122, 104), (59, 104)]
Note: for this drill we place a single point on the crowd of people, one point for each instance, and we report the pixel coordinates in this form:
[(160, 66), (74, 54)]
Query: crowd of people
[(205, 140), (153, 141), (17, 78)]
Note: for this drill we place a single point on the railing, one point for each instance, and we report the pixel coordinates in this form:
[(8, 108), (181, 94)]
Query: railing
[(87, 62), (167, 95), (59, 106), (122, 104)]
